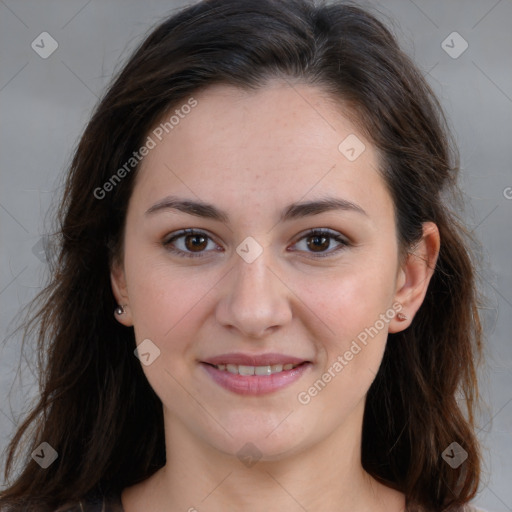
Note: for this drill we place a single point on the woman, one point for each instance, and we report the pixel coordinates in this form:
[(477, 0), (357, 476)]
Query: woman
[(262, 299)]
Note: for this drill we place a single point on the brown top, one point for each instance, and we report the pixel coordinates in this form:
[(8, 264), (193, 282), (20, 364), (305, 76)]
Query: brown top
[(112, 503), (109, 503)]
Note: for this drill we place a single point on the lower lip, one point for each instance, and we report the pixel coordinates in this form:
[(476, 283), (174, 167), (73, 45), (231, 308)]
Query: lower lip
[(255, 384)]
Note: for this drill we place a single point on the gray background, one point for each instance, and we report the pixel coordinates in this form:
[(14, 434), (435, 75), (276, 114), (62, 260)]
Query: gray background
[(45, 104)]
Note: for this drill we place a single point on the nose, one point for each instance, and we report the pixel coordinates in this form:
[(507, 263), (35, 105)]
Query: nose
[(254, 299)]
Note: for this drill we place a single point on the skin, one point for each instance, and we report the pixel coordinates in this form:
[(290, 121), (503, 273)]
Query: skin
[(251, 154)]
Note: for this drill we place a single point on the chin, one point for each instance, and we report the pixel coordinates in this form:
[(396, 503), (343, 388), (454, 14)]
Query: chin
[(261, 443)]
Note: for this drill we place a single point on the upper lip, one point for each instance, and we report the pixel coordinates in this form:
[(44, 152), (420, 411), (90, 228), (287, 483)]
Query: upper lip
[(253, 359)]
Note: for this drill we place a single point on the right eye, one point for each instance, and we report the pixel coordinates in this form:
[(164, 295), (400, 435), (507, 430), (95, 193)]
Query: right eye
[(192, 243)]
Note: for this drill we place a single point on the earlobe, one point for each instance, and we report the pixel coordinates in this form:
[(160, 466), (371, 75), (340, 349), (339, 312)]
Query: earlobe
[(119, 289), (414, 277)]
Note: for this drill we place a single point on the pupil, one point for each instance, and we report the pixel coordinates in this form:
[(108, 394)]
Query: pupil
[(323, 244), (195, 245)]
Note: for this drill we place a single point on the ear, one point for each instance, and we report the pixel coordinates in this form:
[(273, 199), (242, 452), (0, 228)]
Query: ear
[(120, 291), (415, 274)]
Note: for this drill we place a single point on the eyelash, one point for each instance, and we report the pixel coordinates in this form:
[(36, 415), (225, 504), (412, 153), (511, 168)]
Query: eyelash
[(314, 232)]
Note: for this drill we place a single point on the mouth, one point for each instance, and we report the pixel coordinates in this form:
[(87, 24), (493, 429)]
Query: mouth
[(239, 369), (255, 375)]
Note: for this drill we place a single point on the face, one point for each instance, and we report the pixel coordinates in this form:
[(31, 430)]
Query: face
[(262, 280)]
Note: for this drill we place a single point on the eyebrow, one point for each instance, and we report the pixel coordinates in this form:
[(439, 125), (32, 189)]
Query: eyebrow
[(290, 212)]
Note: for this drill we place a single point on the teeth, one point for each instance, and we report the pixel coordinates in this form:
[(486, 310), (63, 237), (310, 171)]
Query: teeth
[(255, 370), (262, 370), (232, 368), (246, 370)]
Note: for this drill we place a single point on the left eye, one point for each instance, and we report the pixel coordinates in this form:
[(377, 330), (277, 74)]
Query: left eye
[(320, 239), (194, 243)]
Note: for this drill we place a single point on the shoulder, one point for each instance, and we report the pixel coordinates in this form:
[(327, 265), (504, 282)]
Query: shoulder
[(473, 508), (108, 503)]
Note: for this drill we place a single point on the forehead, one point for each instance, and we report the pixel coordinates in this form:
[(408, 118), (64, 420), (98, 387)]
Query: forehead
[(279, 143)]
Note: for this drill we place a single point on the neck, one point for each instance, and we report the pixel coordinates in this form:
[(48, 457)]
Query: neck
[(327, 475)]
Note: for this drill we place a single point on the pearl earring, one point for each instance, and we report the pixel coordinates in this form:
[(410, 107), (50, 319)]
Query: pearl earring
[(119, 310)]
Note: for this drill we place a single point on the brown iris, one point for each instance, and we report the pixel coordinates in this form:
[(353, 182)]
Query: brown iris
[(313, 245), (199, 245)]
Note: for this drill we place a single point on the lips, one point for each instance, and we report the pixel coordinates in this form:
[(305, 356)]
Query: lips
[(250, 374)]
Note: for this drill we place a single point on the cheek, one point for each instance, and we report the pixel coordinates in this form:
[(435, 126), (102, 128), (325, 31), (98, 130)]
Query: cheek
[(165, 299), (352, 304), (350, 354), (350, 298), (169, 306)]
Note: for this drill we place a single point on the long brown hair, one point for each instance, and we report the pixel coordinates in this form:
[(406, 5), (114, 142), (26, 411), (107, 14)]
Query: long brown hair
[(96, 407)]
